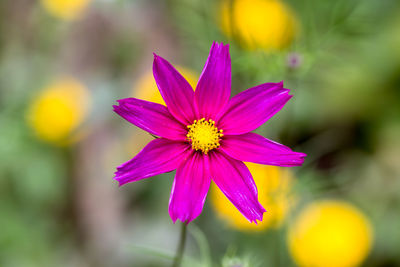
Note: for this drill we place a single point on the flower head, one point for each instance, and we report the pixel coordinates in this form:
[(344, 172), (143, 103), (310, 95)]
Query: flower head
[(58, 110), (206, 135), (65, 9), (294, 60), (274, 190), (264, 24), (330, 234)]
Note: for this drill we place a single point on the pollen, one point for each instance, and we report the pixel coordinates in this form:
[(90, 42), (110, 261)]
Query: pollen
[(204, 135)]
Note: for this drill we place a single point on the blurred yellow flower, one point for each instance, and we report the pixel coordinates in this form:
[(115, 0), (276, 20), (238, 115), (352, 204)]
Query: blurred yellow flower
[(274, 191), (330, 234), (265, 24), (65, 9), (58, 110), (146, 88)]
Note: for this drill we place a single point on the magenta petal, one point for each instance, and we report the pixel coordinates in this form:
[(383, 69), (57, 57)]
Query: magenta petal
[(235, 181), (175, 90), (255, 148), (190, 188), (251, 108), (159, 156), (214, 87), (151, 117)]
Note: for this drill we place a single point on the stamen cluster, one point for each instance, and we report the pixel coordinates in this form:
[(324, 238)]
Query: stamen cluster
[(204, 135)]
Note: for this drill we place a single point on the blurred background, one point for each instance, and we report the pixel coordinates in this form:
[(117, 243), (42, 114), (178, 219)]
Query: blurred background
[(64, 63)]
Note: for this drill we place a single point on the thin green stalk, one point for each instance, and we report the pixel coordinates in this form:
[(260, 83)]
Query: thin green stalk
[(181, 247), (202, 243)]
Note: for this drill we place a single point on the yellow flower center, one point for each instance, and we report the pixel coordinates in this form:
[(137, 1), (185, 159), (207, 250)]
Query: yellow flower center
[(204, 135)]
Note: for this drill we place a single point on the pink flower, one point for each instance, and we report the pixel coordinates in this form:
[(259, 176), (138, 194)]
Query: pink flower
[(206, 135)]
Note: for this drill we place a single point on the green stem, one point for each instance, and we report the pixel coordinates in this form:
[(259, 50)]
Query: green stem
[(181, 247)]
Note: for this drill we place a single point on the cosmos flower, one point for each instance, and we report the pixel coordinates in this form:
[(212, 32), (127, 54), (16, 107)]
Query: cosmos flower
[(206, 136)]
